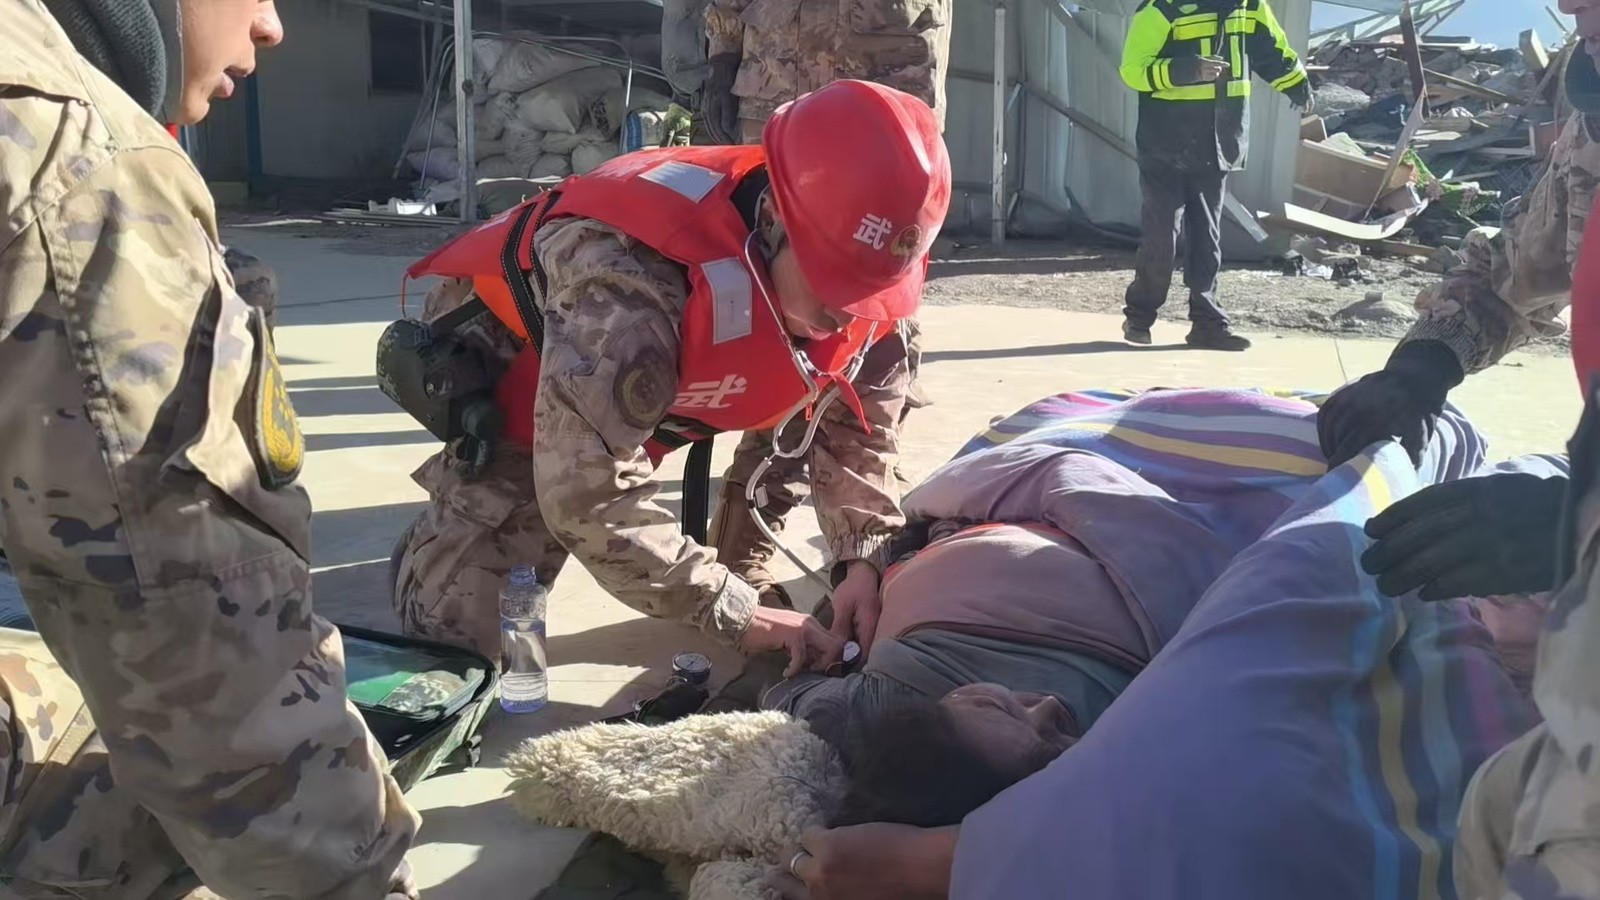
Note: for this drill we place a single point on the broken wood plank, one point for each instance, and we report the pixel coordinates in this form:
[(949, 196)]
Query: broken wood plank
[(1534, 52), (1405, 248), (1413, 54), (1472, 88), (1506, 152), (1304, 221)]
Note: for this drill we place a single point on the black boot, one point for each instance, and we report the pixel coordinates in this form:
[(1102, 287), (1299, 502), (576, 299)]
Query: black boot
[(1216, 337), (1135, 334)]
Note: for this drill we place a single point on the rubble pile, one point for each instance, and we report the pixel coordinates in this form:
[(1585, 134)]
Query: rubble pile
[(542, 110), (1376, 171)]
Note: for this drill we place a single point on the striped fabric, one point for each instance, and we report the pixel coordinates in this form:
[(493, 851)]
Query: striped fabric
[(1302, 736)]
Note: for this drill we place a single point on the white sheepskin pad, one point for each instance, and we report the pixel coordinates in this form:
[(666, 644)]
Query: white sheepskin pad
[(722, 787)]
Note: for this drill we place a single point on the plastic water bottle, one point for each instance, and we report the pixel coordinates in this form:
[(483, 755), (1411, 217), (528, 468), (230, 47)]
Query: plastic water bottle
[(524, 687)]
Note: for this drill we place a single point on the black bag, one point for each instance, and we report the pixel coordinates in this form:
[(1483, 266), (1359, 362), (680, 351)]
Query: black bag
[(424, 701)]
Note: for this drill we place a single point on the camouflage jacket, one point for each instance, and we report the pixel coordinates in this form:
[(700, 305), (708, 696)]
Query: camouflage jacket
[(793, 47), (608, 371), (1514, 282), (148, 509)]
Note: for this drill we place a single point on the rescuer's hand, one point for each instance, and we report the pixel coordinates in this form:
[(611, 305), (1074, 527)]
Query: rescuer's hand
[(1476, 537), (1198, 69), (856, 605), (809, 645), (1401, 401), (1301, 98)]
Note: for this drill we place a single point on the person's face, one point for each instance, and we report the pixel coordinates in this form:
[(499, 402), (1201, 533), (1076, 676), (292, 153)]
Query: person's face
[(1016, 733), (803, 314), (220, 38), (1587, 14)]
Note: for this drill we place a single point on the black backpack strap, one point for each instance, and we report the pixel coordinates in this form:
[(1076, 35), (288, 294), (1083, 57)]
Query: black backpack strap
[(511, 268), (697, 490)]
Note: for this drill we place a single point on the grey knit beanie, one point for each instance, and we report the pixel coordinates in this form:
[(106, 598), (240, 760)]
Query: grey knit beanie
[(137, 43)]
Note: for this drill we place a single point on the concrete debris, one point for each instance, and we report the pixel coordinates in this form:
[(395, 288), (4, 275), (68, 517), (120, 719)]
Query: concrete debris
[(1376, 307), (1366, 172)]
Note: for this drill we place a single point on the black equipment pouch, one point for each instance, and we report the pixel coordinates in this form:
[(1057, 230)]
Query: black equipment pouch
[(442, 383)]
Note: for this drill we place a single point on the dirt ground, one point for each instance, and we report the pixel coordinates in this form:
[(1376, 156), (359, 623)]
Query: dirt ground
[(1048, 274), (1257, 298)]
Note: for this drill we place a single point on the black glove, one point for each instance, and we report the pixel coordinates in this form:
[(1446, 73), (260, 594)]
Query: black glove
[(1403, 400), (719, 108), (1470, 538), (1300, 97)]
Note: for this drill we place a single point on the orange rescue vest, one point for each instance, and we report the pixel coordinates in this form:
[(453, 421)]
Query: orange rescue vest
[(738, 367)]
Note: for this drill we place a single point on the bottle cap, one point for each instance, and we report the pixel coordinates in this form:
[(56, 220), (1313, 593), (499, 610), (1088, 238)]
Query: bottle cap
[(523, 575), (852, 650)]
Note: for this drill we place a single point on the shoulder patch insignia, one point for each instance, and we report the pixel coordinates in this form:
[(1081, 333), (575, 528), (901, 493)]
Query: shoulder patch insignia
[(280, 448)]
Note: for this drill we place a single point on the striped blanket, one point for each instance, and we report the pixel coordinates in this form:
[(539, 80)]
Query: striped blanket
[(1301, 736)]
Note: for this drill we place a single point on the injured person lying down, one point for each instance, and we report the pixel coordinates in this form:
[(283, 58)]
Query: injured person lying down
[(1148, 609), (1041, 570)]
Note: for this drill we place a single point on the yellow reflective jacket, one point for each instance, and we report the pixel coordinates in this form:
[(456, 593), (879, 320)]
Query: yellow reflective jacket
[(1203, 126)]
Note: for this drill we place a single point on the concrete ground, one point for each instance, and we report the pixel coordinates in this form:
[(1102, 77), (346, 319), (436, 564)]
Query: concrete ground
[(981, 361)]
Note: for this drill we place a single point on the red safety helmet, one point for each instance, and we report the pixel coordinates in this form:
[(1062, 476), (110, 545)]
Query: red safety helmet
[(862, 181)]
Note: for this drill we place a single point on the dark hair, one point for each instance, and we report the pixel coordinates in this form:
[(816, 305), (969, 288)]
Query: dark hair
[(905, 763)]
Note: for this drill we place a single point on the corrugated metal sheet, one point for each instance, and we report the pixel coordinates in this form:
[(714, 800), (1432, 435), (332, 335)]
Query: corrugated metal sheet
[(1072, 59)]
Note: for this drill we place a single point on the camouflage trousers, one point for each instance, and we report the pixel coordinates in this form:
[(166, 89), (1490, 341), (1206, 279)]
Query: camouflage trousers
[(1527, 827), (60, 805)]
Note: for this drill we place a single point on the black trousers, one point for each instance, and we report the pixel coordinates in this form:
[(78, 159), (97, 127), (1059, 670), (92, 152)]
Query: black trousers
[(1191, 203)]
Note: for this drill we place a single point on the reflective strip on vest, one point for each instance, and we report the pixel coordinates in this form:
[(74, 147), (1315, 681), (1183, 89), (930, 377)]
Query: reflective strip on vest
[(731, 296), (1204, 28), (692, 181), (1203, 91)]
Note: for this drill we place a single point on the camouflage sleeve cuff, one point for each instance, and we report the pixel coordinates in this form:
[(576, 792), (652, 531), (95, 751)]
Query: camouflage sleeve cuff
[(732, 611), (872, 548), (724, 31), (1457, 333)]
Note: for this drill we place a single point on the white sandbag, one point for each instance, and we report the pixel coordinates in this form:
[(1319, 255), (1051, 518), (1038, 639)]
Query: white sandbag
[(609, 113), (489, 120), (526, 66), (432, 133), (551, 166), (522, 143), (485, 149), (486, 56), (588, 157), (500, 167), (562, 143), (560, 105), (438, 164)]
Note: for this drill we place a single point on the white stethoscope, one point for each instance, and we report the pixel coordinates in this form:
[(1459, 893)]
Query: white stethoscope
[(754, 494)]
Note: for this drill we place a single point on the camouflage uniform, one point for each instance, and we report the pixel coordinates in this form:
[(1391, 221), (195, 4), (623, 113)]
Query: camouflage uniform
[(903, 45), (1514, 282), (149, 514), (1530, 823), (608, 370), (793, 47)]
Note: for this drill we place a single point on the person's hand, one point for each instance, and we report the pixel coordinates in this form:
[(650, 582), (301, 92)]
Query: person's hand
[(871, 862), (856, 605), (1401, 401), (719, 108), (808, 644), (1198, 69), (1471, 538), (402, 886), (1301, 98)]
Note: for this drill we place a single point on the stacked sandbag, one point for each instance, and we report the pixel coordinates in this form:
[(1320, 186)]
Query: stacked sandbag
[(540, 113)]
